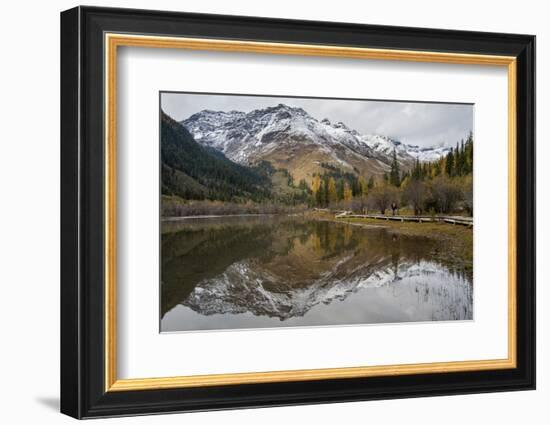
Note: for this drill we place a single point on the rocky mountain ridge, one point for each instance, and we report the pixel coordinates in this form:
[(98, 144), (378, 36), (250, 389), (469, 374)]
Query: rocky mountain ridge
[(290, 138)]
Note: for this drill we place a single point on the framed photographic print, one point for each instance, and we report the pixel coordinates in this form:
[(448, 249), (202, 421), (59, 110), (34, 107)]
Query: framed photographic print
[(261, 212)]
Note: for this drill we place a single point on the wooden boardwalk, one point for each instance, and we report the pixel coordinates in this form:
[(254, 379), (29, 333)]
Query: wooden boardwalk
[(464, 221)]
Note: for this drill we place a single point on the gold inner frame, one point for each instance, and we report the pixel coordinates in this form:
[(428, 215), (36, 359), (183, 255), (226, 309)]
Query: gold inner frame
[(113, 41)]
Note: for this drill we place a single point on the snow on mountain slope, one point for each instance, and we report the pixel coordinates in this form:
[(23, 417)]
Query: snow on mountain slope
[(275, 133), (427, 154), (403, 151), (244, 287)]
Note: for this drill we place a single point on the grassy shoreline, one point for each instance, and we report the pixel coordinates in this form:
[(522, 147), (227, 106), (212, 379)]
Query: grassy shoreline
[(454, 244)]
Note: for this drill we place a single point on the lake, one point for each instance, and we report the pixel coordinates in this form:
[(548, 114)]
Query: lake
[(272, 271)]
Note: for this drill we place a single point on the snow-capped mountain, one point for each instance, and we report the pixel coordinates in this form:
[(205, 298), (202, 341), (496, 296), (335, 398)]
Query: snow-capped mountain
[(245, 287), (291, 138), (403, 151)]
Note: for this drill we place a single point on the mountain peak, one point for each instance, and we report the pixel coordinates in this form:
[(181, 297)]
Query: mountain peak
[(341, 125), (291, 138), (281, 107)]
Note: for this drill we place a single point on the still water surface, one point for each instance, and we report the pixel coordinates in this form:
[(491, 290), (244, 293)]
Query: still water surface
[(258, 272)]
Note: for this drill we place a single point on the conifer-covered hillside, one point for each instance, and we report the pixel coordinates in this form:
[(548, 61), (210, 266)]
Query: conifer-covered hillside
[(192, 171)]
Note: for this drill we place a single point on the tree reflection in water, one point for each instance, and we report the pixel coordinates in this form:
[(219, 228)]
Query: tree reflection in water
[(253, 272)]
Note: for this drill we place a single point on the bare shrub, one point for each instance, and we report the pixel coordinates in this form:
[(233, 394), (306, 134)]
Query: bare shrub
[(414, 195)]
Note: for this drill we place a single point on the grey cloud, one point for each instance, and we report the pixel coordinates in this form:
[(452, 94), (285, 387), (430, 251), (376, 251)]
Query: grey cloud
[(423, 124)]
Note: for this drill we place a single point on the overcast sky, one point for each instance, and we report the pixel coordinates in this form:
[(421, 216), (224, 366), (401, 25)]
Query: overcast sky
[(424, 124)]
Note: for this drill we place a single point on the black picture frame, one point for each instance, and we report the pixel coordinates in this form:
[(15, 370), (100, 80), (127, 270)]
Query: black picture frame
[(83, 392)]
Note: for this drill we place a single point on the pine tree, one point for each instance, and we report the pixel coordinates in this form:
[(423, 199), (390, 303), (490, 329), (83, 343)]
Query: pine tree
[(456, 169), (363, 186), (462, 159), (339, 189), (449, 163), (469, 154), (320, 195), (425, 170), (395, 177), (416, 173), (355, 187)]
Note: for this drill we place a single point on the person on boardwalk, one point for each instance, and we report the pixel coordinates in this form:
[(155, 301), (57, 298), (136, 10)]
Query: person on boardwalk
[(393, 207)]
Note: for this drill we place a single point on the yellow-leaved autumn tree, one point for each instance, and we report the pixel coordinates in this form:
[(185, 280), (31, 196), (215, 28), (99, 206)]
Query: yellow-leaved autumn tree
[(315, 185), (348, 194), (331, 191)]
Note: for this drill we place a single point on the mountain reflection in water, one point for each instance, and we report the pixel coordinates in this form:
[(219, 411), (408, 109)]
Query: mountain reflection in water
[(256, 272)]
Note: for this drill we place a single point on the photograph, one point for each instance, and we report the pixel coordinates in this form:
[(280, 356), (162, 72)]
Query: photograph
[(276, 211), (287, 211)]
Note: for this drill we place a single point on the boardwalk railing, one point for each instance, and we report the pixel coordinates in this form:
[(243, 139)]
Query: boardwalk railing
[(464, 221)]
